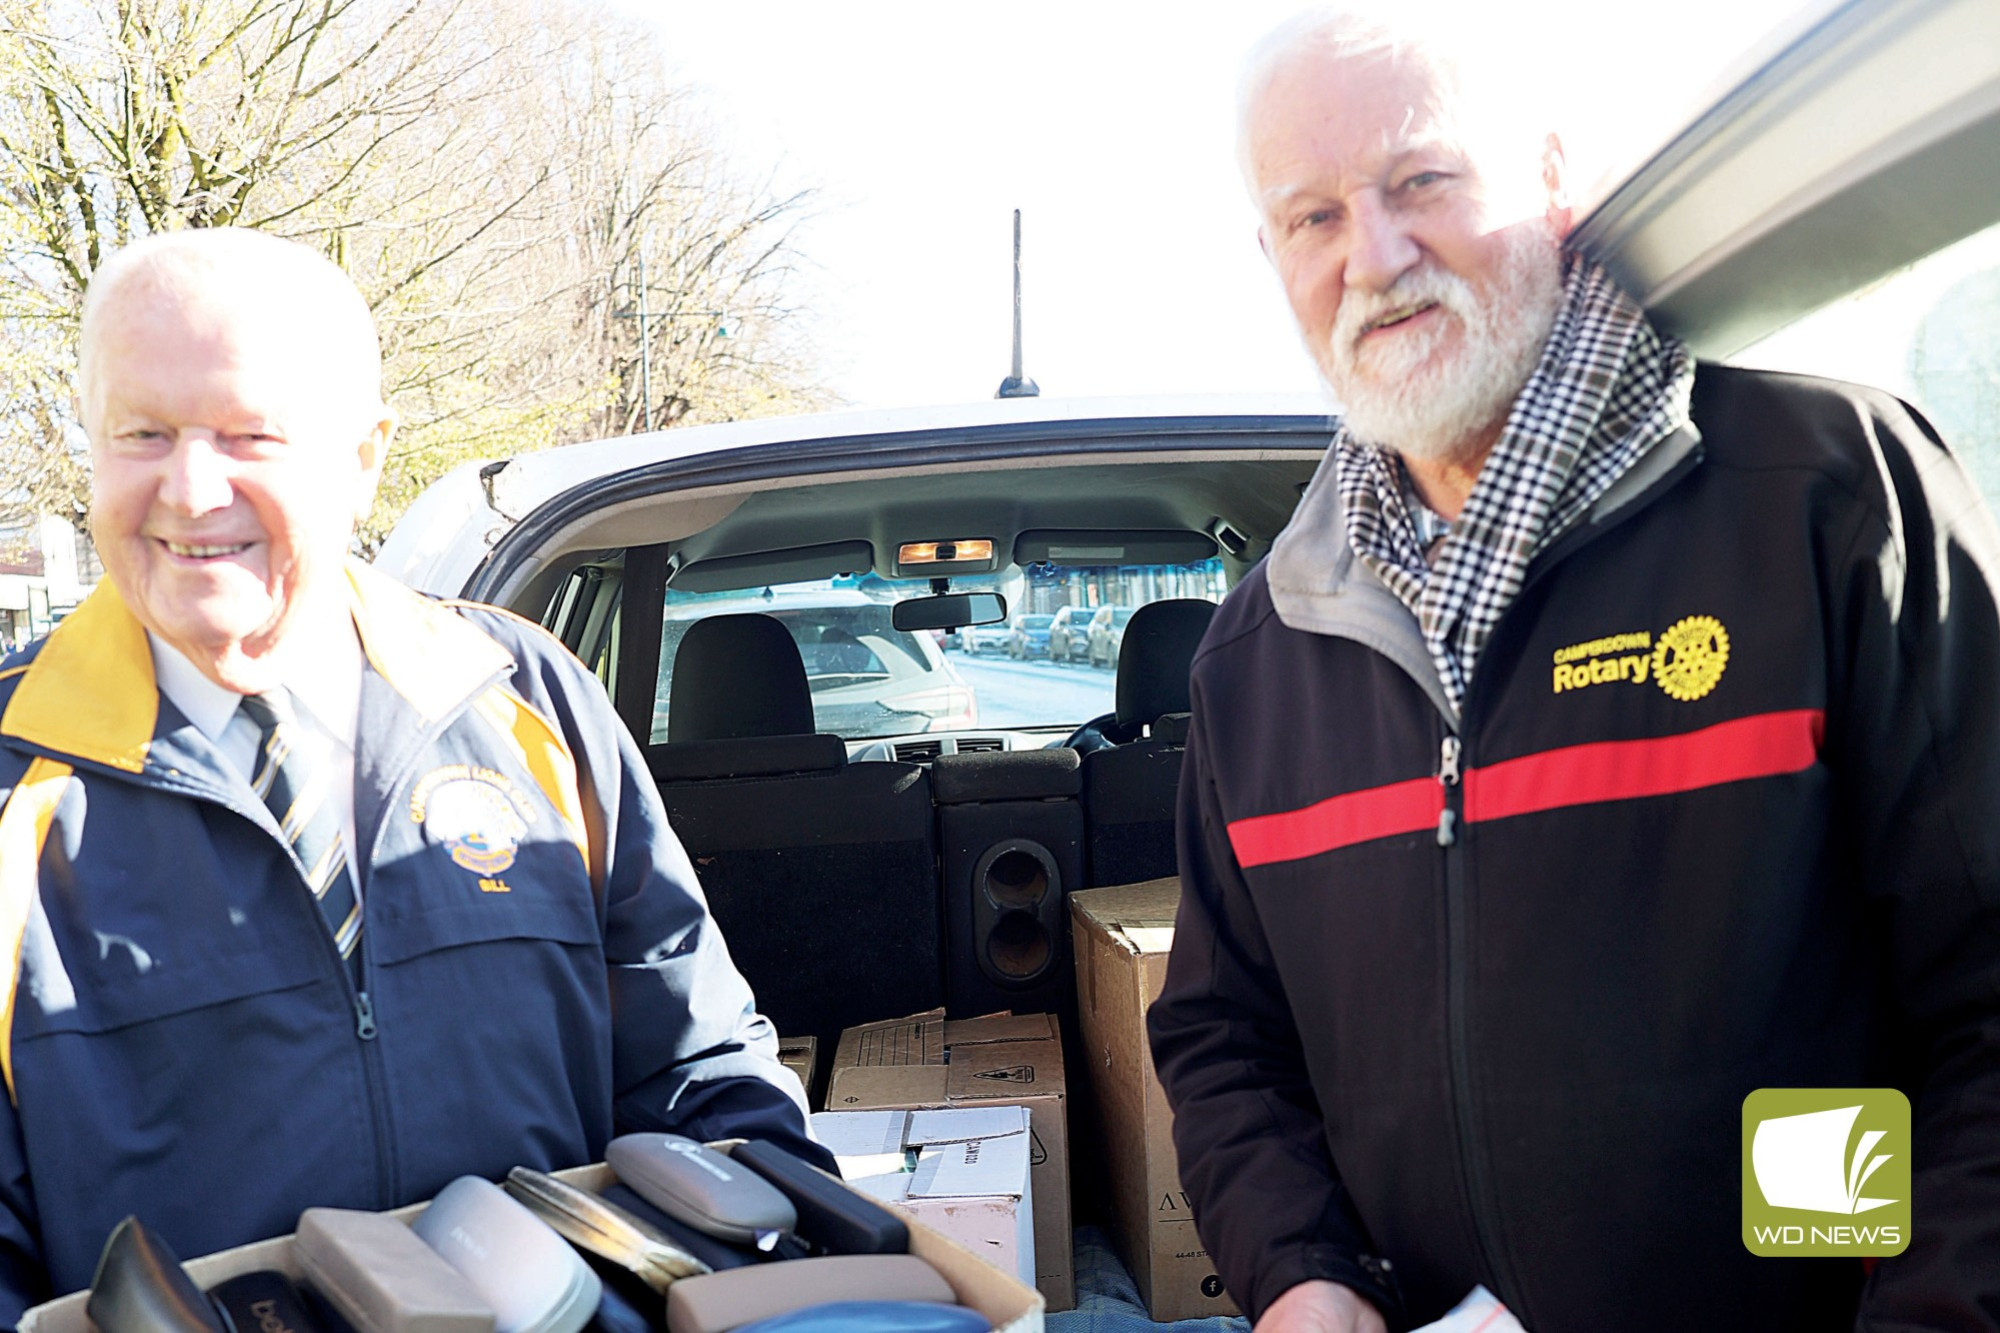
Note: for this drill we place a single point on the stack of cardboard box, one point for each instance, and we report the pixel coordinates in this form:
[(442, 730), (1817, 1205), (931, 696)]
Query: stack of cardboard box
[(927, 1061)]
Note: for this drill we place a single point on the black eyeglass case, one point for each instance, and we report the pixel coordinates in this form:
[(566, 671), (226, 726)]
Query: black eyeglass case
[(265, 1301), (831, 1217), (140, 1287)]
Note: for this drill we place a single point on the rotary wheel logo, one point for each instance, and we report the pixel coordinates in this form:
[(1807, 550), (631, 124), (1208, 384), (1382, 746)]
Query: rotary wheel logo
[(1689, 658)]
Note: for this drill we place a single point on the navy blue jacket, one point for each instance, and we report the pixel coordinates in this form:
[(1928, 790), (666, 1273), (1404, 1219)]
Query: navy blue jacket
[(181, 1041)]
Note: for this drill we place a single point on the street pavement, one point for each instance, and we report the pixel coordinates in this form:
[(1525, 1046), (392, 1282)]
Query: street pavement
[(1035, 693)]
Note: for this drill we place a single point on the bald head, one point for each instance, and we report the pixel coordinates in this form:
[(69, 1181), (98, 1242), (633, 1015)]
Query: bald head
[(284, 297)]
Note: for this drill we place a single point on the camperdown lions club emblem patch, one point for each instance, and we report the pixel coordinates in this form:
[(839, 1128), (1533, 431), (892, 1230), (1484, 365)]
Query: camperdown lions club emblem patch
[(475, 819), (1690, 656)]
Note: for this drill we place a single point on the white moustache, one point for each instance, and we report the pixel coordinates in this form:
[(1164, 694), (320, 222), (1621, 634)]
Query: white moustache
[(1412, 294)]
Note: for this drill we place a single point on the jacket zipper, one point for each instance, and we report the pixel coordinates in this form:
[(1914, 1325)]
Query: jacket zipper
[(362, 1004), (1472, 1162), (366, 1028), (1451, 761)]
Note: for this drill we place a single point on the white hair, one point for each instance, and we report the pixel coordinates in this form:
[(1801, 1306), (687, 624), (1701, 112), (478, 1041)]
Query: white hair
[(245, 270), (1511, 119), (1333, 35)]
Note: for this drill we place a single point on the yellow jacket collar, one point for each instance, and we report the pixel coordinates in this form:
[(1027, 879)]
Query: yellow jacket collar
[(90, 691)]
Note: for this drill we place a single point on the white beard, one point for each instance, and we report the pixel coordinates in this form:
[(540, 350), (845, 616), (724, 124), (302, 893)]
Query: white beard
[(1438, 411)]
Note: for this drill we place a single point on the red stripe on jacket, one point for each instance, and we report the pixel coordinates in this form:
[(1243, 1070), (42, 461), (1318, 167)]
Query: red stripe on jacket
[(1761, 746), (1339, 821)]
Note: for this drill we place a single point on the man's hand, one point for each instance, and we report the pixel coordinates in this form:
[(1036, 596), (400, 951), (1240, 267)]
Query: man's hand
[(1321, 1307)]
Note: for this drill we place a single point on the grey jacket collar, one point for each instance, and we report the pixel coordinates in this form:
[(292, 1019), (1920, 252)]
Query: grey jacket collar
[(1318, 586)]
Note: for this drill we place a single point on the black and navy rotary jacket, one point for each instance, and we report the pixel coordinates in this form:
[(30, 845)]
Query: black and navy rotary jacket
[(1477, 999), (181, 1039)]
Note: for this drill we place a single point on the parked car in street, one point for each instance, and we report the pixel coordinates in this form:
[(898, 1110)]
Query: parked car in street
[(1069, 634), (1028, 636), (1106, 634), (976, 639)]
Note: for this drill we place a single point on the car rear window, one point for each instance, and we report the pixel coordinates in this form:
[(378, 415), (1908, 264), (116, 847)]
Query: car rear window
[(870, 680)]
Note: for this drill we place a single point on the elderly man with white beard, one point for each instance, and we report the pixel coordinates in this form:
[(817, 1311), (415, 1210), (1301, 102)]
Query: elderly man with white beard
[(1607, 738)]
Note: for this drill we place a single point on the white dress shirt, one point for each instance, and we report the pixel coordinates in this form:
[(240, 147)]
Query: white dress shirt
[(325, 685)]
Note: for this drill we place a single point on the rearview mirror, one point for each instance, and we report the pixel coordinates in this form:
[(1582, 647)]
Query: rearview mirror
[(952, 610)]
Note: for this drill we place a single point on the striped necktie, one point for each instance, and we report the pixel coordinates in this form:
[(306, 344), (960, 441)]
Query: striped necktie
[(298, 797)]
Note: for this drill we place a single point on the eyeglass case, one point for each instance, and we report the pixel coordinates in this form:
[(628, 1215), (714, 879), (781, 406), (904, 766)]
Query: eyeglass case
[(834, 1218), (702, 1188), (530, 1276), (875, 1317), (717, 1254), (724, 1301), (265, 1301), (597, 1226), (381, 1277), (140, 1287)]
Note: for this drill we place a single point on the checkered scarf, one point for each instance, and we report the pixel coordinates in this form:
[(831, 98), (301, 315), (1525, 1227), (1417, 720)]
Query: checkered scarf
[(1607, 389)]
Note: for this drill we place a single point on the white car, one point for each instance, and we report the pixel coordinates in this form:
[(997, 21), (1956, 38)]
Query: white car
[(1857, 147)]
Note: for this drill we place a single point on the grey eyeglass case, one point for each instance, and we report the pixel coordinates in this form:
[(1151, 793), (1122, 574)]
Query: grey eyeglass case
[(379, 1276), (530, 1276), (702, 1188)]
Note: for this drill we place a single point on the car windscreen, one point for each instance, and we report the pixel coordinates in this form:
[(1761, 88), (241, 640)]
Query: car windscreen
[(870, 680)]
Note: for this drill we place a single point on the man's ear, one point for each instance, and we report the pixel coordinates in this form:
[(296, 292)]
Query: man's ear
[(373, 453), (1555, 180), (1264, 242)]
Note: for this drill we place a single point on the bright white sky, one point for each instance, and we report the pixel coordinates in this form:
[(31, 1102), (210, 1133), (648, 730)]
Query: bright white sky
[(924, 123)]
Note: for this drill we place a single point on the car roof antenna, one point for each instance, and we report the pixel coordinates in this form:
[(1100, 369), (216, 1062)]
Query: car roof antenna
[(1018, 385)]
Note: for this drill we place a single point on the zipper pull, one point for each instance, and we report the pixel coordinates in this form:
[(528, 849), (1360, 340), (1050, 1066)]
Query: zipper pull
[(1448, 762), (1447, 828), (364, 1016)]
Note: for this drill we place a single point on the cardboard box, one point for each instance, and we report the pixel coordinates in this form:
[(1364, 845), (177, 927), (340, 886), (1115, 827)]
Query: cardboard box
[(927, 1061), (1012, 1306), (800, 1055), (963, 1173), (1121, 937)]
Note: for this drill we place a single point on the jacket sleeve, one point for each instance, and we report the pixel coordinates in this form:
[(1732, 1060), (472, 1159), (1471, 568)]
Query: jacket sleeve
[(1914, 741), (1267, 1198), (23, 1280), (23, 1283), (690, 1053)]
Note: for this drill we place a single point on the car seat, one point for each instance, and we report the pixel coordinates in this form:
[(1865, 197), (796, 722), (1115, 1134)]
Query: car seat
[(1132, 757), (821, 873)]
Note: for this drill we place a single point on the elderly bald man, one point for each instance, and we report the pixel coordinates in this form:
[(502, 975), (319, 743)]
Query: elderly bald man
[(1608, 737), (320, 892)]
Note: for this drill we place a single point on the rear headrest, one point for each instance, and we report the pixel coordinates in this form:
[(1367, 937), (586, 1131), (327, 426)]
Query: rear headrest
[(1007, 775), (1160, 640), (756, 757), (738, 676)]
